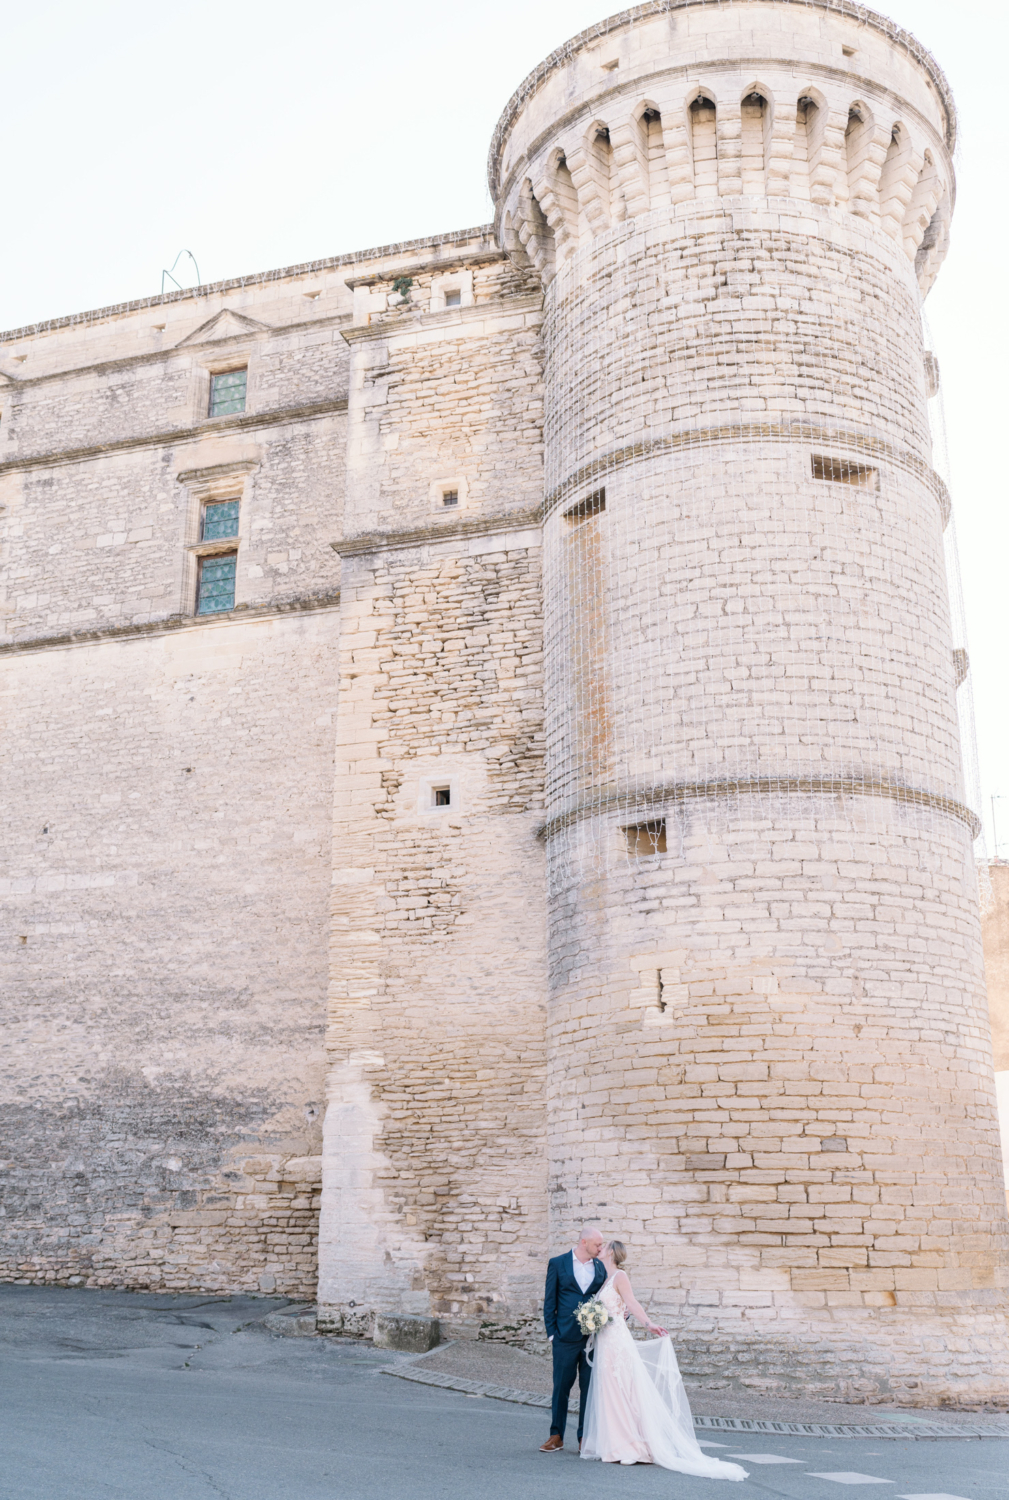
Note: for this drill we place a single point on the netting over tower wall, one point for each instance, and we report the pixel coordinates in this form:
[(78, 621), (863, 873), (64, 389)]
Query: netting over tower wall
[(768, 1047), (746, 593), (958, 618)]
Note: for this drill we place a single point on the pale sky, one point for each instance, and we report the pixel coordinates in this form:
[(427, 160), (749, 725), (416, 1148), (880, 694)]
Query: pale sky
[(263, 135)]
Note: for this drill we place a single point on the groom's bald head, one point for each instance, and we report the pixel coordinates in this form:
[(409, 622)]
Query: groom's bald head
[(590, 1240)]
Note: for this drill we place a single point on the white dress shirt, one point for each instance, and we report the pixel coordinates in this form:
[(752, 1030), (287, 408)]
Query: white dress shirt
[(585, 1271)]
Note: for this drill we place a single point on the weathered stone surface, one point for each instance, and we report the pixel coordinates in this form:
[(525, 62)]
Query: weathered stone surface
[(634, 491), (412, 1335)]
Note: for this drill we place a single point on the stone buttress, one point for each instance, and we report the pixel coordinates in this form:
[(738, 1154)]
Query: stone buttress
[(433, 1169)]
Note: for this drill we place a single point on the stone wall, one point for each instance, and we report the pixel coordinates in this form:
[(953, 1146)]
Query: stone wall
[(757, 1046), (163, 954), (167, 849), (434, 1171), (434, 1166)]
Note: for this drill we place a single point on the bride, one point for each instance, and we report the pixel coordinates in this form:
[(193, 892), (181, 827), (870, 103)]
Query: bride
[(637, 1411)]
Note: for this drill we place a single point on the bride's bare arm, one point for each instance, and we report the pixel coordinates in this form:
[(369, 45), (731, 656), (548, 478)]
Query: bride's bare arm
[(622, 1284)]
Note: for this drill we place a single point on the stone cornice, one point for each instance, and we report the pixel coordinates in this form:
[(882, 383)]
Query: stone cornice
[(169, 437), (174, 352), (395, 323), (238, 283), (692, 438), (195, 478), (653, 802), (563, 54), (381, 541), (309, 604), (428, 267)]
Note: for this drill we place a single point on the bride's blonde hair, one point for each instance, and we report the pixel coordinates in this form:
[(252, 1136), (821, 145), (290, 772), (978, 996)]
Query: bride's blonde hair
[(618, 1251)]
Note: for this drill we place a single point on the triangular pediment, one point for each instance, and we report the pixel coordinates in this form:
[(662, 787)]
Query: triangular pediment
[(223, 325)]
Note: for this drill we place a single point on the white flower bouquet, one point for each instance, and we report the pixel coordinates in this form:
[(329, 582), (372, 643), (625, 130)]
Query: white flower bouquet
[(591, 1316)]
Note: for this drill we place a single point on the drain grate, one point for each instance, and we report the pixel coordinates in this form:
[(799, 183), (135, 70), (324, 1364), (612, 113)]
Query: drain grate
[(907, 1427)]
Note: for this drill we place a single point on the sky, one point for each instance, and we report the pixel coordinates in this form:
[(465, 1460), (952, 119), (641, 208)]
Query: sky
[(263, 135)]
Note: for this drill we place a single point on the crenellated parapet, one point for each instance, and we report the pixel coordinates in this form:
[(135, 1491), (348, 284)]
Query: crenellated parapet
[(679, 103)]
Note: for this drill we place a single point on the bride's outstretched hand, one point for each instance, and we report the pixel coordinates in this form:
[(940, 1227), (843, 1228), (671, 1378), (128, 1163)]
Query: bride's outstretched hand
[(654, 1328)]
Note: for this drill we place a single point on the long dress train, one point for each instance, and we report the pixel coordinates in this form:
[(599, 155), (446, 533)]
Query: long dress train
[(637, 1409)]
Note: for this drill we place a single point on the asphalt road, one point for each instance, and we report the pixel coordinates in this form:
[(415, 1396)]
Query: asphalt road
[(120, 1396)]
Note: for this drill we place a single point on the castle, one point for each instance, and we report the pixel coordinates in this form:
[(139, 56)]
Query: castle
[(481, 743)]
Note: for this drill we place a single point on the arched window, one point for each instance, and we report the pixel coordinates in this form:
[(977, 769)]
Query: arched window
[(756, 117), (534, 231), (601, 160), (894, 184), (653, 157), (806, 149), (704, 146), (857, 142), (566, 194)]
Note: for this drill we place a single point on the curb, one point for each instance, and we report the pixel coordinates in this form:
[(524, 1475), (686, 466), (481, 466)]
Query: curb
[(907, 1427)]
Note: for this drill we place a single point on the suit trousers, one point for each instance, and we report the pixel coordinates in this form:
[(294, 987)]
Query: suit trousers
[(569, 1362)]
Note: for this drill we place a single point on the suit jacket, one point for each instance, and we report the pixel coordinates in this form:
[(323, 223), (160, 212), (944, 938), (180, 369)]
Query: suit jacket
[(563, 1296)]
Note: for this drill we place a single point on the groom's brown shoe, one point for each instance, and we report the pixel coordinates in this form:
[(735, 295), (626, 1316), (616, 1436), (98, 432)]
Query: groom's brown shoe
[(553, 1444)]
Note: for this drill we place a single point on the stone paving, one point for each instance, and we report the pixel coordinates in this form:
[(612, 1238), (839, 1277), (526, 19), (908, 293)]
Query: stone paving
[(497, 1368)]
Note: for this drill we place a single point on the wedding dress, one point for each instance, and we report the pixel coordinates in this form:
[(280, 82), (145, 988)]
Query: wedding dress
[(637, 1410)]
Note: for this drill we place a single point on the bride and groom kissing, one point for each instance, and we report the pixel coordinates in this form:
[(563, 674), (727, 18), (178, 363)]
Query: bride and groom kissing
[(633, 1407)]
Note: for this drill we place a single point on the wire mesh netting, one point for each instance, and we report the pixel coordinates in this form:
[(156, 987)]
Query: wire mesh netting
[(752, 583)]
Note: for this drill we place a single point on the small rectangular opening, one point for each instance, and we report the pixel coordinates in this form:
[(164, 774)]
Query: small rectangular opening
[(449, 498), (453, 299), (441, 796), (592, 505), (646, 838), (844, 471)]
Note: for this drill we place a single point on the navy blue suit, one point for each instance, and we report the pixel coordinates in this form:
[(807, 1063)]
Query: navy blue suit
[(561, 1300)]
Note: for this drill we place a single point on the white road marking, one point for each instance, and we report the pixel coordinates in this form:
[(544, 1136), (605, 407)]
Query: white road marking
[(931, 1497), (768, 1458), (846, 1477)]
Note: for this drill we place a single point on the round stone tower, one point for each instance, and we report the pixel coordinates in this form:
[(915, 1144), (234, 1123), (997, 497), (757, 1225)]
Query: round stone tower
[(770, 1060)]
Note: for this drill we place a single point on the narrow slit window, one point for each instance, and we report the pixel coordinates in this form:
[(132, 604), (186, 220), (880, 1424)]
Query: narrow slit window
[(644, 839), (220, 519), (216, 592), (441, 796), (844, 471), (227, 392), (592, 505), (449, 498)]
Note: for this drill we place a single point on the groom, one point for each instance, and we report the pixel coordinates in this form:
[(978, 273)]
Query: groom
[(571, 1280)]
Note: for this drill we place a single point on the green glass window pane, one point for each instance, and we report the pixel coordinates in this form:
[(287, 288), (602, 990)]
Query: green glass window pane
[(220, 519), (227, 392), (217, 584)]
